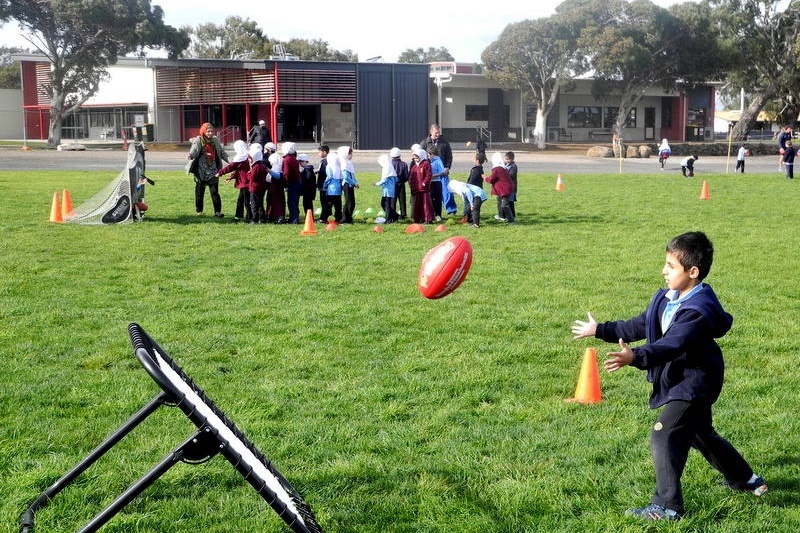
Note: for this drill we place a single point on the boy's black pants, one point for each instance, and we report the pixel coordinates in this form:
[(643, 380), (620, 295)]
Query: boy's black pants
[(681, 426)]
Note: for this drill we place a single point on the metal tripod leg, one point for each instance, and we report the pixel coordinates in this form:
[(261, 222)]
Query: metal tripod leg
[(200, 446), (26, 521)]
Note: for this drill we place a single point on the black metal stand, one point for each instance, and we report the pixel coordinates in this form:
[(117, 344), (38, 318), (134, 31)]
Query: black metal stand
[(26, 522), (216, 433)]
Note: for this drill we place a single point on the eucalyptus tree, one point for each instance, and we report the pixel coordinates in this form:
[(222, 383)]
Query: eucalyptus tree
[(82, 38), (764, 38), (633, 46), (538, 57)]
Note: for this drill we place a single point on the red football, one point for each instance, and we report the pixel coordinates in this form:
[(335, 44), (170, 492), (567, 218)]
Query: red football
[(444, 267)]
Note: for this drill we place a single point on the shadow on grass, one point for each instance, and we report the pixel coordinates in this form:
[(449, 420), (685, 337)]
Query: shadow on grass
[(540, 219)]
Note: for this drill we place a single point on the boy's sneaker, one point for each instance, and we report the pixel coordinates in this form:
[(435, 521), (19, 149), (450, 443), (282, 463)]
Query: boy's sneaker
[(653, 512), (758, 486)]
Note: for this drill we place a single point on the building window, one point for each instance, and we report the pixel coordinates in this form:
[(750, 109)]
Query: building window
[(666, 112), (584, 117), (476, 113), (610, 117), (530, 115)]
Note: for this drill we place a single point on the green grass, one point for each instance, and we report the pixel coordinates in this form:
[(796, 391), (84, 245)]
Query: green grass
[(388, 412)]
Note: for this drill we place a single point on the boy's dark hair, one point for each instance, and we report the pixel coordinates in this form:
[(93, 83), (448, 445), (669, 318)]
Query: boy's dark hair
[(324, 148), (481, 157), (510, 155), (433, 150), (693, 249)]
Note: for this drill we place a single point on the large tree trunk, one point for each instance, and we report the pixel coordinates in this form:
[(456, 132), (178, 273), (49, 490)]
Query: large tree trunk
[(539, 133), (748, 119), (56, 118)]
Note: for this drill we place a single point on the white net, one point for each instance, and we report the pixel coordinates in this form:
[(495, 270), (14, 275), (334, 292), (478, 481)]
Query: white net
[(116, 202)]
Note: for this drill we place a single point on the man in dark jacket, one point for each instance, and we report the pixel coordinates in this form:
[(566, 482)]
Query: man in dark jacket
[(259, 134), (439, 193), (685, 366)]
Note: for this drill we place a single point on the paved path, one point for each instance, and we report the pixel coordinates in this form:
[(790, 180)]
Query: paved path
[(548, 161)]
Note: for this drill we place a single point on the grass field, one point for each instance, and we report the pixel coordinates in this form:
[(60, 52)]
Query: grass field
[(386, 411)]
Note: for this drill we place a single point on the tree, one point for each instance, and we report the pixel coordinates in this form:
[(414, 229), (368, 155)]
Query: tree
[(237, 39), (425, 56), (763, 38), (82, 38), (318, 50), (537, 56), (242, 39), (9, 69), (633, 46)]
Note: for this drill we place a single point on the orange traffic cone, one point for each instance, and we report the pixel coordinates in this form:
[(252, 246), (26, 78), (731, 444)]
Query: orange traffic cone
[(309, 228), (66, 205), (331, 225), (559, 183), (588, 389), (55, 210), (704, 191)]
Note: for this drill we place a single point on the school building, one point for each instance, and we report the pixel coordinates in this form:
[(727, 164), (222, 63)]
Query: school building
[(367, 105)]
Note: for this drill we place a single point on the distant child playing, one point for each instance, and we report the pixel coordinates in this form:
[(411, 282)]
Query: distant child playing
[(685, 366), (664, 151), (788, 159)]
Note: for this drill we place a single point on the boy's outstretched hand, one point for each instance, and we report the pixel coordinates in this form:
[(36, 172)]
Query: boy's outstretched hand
[(617, 360), (583, 329)]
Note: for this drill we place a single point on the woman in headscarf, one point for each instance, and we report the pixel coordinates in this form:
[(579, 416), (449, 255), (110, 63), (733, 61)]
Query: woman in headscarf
[(419, 181), (205, 161)]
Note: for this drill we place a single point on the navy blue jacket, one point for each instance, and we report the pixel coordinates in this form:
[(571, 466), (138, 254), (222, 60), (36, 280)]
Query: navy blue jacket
[(685, 363)]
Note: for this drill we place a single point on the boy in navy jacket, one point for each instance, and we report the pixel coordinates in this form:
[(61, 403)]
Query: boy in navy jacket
[(685, 366)]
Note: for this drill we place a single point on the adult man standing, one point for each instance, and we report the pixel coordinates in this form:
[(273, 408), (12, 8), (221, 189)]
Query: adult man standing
[(439, 193), (259, 134)]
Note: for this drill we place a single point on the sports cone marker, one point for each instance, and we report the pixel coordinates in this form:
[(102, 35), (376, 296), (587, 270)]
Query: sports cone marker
[(704, 191), (559, 183), (55, 210), (309, 228), (331, 225), (66, 205), (441, 227), (378, 229), (588, 389)]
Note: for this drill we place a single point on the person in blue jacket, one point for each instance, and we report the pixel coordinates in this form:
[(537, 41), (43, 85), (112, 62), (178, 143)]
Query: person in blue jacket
[(685, 366)]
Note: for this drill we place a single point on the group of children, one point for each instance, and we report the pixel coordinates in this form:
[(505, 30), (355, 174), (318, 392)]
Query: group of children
[(270, 184)]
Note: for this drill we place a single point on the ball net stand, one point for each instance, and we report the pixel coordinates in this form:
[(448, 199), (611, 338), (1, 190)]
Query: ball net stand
[(216, 434)]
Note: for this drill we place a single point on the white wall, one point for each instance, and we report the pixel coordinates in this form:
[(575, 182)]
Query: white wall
[(11, 114)]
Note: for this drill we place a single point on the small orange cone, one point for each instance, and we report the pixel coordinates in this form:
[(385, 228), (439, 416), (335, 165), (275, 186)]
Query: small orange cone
[(309, 228), (66, 205), (415, 228), (331, 225), (704, 191), (378, 229), (588, 389), (55, 210), (441, 227), (559, 183)]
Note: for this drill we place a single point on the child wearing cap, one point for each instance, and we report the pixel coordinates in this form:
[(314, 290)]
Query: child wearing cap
[(308, 178)]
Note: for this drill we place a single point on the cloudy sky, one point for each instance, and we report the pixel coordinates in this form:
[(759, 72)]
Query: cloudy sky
[(368, 28)]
